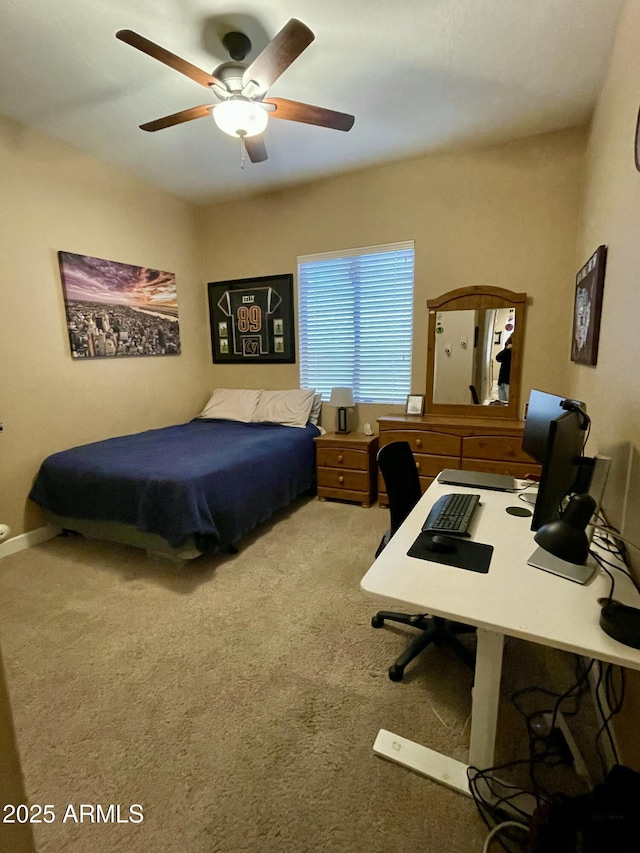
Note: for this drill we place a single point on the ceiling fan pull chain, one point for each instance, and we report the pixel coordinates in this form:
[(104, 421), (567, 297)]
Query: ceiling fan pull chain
[(243, 152)]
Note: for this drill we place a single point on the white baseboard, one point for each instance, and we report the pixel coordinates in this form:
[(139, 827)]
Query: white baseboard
[(28, 540)]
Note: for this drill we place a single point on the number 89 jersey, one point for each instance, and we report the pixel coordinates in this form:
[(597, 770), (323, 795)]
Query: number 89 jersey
[(248, 310)]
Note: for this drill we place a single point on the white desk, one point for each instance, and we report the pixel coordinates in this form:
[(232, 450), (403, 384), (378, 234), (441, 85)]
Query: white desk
[(513, 599)]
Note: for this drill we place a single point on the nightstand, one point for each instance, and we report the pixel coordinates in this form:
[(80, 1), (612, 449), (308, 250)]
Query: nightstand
[(346, 466)]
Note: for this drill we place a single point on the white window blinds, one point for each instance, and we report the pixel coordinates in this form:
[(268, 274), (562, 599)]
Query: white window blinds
[(355, 321)]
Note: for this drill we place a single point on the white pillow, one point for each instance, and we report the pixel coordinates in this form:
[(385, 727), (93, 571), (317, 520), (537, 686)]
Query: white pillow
[(316, 408), (232, 404), (289, 408)]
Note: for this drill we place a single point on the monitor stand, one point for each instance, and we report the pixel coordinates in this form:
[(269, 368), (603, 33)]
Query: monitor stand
[(541, 559)]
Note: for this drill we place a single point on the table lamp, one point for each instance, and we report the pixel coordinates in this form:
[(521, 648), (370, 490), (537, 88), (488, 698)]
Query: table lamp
[(343, 399), (564, 544), (567, 540)]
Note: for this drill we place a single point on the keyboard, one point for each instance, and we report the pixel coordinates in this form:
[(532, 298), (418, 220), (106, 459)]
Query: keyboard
[(452, 514)]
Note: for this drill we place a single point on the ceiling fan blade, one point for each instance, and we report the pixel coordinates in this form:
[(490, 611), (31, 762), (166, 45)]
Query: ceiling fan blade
[(255, 148), (282, 50), (296, 111), (178, 118), (156, 52)]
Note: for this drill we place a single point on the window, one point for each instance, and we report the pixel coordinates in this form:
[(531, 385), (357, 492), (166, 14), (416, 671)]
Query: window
[(355, 320)]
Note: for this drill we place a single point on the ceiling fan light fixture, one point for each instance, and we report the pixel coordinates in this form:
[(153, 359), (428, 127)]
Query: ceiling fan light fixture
[(240, 117)]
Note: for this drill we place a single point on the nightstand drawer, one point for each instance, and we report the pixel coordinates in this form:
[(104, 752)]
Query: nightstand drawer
[(343, 457), (346, 465), (335, 478)]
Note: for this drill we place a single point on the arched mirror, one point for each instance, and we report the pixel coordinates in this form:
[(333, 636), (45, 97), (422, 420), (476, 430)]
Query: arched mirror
[(474, 352)]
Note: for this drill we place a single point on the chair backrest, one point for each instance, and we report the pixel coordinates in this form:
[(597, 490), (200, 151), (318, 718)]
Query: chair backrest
[(474, 394), (398, 469)]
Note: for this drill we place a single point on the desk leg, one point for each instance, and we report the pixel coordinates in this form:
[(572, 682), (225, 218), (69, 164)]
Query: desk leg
[(485, 699), (484, 719)]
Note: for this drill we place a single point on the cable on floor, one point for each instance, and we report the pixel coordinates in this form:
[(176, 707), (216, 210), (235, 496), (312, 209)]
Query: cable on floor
[(507, 824)]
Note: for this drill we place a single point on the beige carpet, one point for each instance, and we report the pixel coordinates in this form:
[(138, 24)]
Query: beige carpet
[(236, 701)]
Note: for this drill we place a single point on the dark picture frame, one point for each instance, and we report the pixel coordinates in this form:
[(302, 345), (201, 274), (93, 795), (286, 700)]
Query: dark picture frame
[(637, 145), (117, 310), (252, 320), (587, 308)]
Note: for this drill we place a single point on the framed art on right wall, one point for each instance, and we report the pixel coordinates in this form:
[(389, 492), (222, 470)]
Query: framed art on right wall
[(588, 308)]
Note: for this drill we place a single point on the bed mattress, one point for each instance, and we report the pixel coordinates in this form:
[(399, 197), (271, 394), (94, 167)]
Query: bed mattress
[(213, 480)]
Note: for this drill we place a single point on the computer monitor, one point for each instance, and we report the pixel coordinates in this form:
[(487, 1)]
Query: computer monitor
[(542, 408), (561, 467), (554, 436)]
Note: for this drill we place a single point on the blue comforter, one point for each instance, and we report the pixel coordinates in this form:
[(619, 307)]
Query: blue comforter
[(208, 478)]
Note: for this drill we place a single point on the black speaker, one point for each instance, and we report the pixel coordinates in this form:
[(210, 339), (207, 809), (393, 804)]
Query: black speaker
[(620, 622)]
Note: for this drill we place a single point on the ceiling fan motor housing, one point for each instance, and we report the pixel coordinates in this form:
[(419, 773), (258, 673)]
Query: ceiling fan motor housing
[(237, 45), (230, 73)]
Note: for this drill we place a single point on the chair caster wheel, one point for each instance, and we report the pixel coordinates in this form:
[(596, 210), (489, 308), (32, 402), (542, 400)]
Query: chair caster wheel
[(377, 622), (396, 672)]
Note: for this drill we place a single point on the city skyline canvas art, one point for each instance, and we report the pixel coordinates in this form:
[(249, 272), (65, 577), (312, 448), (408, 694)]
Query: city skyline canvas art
[(118, 310)]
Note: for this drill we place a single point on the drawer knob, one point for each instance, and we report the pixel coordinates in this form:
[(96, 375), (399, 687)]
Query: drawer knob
[(340, 457), (418, 442), (341, 479), (418, 465)]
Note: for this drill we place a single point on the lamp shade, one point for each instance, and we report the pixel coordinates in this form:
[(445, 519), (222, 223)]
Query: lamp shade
[(240, 117), (341, 397), (566, 538)]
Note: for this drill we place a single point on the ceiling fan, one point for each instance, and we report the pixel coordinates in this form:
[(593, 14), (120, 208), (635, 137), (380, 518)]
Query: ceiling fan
[(242, 110)]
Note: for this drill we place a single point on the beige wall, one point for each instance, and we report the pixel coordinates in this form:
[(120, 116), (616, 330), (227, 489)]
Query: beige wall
[(611, 216), (504, 216), (54, 198)]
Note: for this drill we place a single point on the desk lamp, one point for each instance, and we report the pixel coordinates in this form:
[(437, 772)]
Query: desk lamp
[(564, 544), (343, 399)]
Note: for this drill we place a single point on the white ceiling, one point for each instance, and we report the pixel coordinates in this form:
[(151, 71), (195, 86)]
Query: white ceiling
[(419, 76)]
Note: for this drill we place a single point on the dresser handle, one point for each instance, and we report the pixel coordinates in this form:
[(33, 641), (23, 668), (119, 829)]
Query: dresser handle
[(340, 457), (418, 442), (341, 479), (418, 465)]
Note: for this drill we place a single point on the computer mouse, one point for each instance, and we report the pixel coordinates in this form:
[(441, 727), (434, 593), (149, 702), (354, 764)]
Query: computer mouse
[(442, 544)]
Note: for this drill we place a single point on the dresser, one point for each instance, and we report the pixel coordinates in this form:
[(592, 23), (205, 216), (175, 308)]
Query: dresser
[(490, 445), (346, 467)]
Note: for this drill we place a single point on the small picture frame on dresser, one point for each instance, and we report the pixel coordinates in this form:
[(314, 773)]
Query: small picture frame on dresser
[(415, 404)]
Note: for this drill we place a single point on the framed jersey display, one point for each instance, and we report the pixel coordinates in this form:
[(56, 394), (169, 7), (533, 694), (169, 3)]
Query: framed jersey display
[(252, 320), (587, 308)]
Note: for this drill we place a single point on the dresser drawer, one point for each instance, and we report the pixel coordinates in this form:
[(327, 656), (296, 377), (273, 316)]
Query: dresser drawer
[(383, 499), (335, 478), (494, 447), (521, 470), (343, 457), (425, 441), (430, 466)]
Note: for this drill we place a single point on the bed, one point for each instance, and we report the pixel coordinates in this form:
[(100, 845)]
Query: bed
[(185, 489)]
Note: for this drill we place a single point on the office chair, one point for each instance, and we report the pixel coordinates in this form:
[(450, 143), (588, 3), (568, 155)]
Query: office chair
[(398, 469)]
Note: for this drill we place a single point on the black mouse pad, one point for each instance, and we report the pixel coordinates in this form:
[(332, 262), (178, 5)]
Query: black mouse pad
[(473, 556)]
